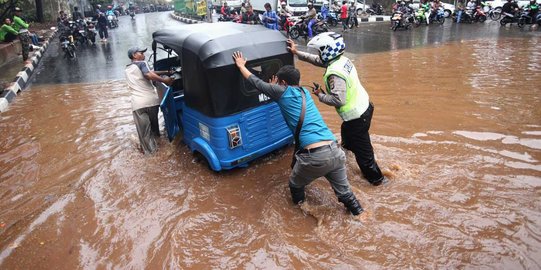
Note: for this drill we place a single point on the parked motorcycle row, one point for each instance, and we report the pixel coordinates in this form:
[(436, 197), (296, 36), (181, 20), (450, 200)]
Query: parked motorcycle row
[(405, 17), (76, 33), (81, 33)]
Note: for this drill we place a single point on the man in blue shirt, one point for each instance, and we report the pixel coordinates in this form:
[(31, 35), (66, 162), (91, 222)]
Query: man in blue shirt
[(319, 154), (270, 19)]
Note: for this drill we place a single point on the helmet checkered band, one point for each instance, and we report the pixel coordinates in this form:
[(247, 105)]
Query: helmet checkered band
[(330, 45), (332, 51)]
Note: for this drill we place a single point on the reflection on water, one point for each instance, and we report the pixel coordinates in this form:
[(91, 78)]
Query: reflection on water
[(456, 129)]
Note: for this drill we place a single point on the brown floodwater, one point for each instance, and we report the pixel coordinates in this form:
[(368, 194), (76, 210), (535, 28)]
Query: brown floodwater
[(457, 130)]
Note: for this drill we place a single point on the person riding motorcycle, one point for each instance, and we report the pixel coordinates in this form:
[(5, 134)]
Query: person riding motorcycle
[(533, 9), (310, 18), (436, 4), (509, 9), (225, 11), (470, 7), (284, 12), (325, 10)]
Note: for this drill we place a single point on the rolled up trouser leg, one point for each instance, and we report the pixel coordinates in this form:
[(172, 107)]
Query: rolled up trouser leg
[(144, 119)]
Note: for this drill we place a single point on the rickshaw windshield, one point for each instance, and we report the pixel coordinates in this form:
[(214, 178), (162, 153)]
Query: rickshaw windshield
[(263, 70)]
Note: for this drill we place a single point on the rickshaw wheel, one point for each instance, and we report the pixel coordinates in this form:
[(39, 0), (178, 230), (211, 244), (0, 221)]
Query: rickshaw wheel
[(200, 158)]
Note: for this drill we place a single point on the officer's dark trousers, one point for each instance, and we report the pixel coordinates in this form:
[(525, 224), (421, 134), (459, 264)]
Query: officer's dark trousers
[(355, 137)]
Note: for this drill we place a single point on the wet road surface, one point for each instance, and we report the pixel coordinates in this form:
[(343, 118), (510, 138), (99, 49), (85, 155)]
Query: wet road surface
[(457, 129)]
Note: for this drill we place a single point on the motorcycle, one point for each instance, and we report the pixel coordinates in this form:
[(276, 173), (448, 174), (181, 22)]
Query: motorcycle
[(438, 17), (525, 18), (400, 20), (286, 24), (68, 46), (510, 18), (420, 17), (301, 28), (332, 19), (493, 14), (375, 9), (91, 32), (79, 32), (470, 16), (112, 21)]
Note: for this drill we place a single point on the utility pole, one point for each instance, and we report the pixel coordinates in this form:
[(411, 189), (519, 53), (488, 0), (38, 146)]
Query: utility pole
[(39, 10)]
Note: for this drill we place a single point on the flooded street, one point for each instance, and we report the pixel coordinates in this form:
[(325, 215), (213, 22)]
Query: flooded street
[(457, 130)]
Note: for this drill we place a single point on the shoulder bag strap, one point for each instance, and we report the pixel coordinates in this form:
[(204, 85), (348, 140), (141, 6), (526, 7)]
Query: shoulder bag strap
[(301, 120), (299, 126)]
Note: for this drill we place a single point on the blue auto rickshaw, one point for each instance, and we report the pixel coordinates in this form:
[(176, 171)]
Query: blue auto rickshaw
[(221, 116)]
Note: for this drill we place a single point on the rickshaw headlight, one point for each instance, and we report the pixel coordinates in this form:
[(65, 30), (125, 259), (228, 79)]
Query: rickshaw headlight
[(235, 139)]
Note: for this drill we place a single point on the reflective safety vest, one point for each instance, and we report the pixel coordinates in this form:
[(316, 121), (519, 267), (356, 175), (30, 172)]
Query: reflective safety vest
[(357, 100)]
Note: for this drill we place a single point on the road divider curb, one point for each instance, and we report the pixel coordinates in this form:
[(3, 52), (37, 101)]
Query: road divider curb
[(184, 20), (376, 19), (23, 77)]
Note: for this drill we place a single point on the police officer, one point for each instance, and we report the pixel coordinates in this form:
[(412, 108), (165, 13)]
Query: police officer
[(346, 93)]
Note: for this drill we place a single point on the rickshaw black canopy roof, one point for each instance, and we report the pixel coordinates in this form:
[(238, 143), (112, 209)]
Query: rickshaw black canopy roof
[(214, 43)]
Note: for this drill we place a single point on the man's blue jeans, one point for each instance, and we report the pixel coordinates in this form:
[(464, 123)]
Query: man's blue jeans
[(310, 23), (458, 16)]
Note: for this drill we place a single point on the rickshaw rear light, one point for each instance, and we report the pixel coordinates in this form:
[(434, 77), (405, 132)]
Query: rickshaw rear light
[(204, 131), (235, 139)]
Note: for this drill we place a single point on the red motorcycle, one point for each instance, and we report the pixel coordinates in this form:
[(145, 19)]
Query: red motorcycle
[(287, 24)]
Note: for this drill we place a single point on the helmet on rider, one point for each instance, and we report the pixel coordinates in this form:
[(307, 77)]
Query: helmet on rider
[(310, 4), (109, 7), (329, 44), (283, 4)]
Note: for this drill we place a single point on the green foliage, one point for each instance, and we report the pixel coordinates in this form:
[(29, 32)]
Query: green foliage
[(6, 8)]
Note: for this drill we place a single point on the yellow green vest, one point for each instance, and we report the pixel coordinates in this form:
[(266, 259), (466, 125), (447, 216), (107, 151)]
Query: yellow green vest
[(356, 96)]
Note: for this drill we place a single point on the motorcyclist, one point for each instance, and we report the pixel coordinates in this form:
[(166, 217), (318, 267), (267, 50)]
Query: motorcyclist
[(325, 10), (510, 8), (110, 12), (249, 17), (533, 9), (335, 7), (77, 14), (284, 12), (310, 17), (225, 11), (436, 4), (470, 7)]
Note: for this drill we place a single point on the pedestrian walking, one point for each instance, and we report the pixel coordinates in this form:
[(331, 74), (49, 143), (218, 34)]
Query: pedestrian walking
[(102, 27)]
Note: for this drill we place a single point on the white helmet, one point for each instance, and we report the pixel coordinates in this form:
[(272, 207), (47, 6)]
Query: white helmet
[(283, 4), (329, 44)]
